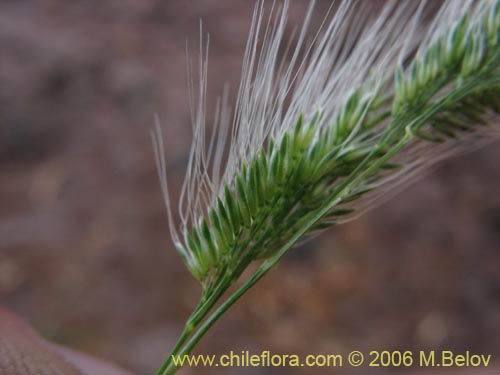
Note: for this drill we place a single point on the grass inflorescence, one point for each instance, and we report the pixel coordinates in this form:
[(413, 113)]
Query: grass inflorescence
[(306, 176)]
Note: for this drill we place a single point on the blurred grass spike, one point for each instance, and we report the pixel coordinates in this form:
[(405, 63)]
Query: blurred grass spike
[(375, 97)]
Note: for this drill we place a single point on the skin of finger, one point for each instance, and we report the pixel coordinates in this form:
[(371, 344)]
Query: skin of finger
[(24, 352)]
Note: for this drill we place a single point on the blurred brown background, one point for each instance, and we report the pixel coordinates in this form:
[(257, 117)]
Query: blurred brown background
[(84, 248)]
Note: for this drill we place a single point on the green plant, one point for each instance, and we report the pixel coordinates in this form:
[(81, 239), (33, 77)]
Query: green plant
[(325, 130)]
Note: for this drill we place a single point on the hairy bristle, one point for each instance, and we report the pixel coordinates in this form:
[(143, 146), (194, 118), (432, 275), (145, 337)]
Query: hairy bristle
[(332, 105)]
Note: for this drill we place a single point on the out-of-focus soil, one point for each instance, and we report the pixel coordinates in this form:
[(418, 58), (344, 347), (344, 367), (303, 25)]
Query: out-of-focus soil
[(84, 248)]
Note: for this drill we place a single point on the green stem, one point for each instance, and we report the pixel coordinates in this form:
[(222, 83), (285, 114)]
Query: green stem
[(251, 281), (195, 318), (198, 315), (188, 329)]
